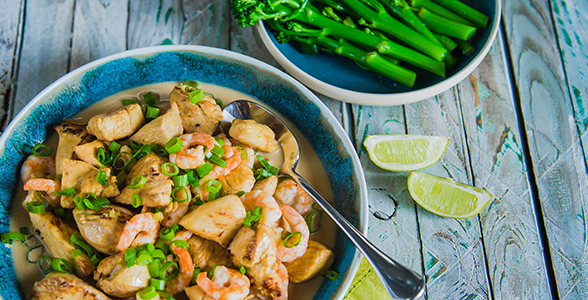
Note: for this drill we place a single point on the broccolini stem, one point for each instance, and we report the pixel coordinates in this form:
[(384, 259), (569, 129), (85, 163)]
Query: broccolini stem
[(384, 22), (439, 10), (447, 42), (465, 47), (445, 26), (408, 17), (466, 12)]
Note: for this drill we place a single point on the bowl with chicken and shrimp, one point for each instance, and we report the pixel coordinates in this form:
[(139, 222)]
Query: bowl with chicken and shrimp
[(120, 182)]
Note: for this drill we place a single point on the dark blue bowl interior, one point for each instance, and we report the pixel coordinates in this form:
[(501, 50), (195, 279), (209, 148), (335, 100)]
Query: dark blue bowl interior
[(75, 94), (344, 73)]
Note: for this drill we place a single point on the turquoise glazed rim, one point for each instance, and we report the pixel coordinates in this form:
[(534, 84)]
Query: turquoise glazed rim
[(107, 76)]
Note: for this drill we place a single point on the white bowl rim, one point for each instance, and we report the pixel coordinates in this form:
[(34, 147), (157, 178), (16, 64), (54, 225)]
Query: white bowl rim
[(379, 99), (363, 214)]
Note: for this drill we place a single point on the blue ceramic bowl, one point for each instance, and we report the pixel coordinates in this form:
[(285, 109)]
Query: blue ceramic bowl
[(94, 81), (342, 79)]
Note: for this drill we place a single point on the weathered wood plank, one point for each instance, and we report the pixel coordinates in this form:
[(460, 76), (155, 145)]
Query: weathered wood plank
[(153, 22), (45, 50), (558, 162), (514, 254), (452, 251), (571, 23), (10, 32), (247, 41), (99, 30), (206, 22)]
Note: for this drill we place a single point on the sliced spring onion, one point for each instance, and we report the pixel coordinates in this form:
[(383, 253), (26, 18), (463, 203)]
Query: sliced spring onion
[(179, 243), (175, 227), (219, 102), (136, 200), (76, 253), (24, 230), (241, 193), (332, 275), (216, 160), (143, 151), (214, 186), (243, 270), (169, 270), (170, 169), (102, 178), (252, 216), (40, 149), (152, 112), (137, 182), (30, 253), (67, 192), (218, 151), (244, 154), (173, 145), (150, 99), (211, 273), (163, 246), (198, 201), (154, 268), (158, 254), (130, 256), (192, 83), (181, 199), (103, 157), (135, 146), (36, 207), (292, 240), (78, 201), (219, 141), (166, 233), (193, 178), (62, 265), (147, 293), (261, 174), (126, 102), (114, 147), (120, 163), (180, 180), (158, 150), (313, 221), (157, 209), (273, 170), (81, 244), (194, 276), (158, 284), (196, 96), (149, 247), (144, 258), (204, 169), (44, 264), (8, 237), (96, 258)]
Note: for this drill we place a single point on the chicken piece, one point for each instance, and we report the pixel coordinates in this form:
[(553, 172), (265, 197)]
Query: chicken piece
[(82, 176), (102, 228), (267, 185), (87, 152), (207, 254), (217, 220), (255, 249), (257, 136), (240, 179), (154, 193), (57, 285), (70, 135), (316, 260), (118, 124), (160, 130), (196, 293), (148, 166), (56, 234), (115, 279), (202, 117)]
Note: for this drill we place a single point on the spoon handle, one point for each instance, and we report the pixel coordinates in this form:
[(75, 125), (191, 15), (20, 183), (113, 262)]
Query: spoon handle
[(400, 282)]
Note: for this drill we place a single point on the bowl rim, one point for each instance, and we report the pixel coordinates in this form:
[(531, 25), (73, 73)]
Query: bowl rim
[(363, 213), (380, 99)]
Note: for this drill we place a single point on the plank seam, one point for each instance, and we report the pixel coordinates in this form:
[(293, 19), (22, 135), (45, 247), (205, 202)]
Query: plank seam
[(533, 188), (14, 76), (73, 19)]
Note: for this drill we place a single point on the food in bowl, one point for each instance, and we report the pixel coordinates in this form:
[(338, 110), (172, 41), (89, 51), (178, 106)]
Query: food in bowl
[(191, 201)]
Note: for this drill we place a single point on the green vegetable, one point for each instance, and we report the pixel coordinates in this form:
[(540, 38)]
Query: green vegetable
[(445, 26), (466, 12), (41, 150)]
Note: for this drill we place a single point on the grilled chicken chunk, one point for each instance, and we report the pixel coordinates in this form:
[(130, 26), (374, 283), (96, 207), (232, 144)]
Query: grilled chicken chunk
[(267, 185), (196, 293), (255, 249), (82, 176), (118, 124), (56, 234), (217, 220), (87, 152), (160, 130), (255, 135), (57, 285), (102, 228), (116, 280), (201, 117), (148, 166), (240, 179), (207, 254), (70, 135), (316, 260), (154, 193)]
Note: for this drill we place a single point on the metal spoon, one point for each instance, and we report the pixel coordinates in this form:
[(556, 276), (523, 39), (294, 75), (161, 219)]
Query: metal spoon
[(400, 282)]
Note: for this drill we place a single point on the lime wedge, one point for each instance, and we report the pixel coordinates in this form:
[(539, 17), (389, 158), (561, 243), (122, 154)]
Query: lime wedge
[(405, 153), (447, 197)]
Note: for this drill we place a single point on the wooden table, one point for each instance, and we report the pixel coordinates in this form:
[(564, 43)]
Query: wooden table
[(517, 125)]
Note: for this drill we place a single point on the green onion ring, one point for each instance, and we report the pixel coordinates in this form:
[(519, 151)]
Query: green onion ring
[(147, 293), (137, 182), (62, 265), (136, 200), (180, 199), (173, 145), (173, 169), (310, 219), (41, 150), (163, 271), (292, 235), (130, 257), (166, 233), (332, 275), (8, 237), (67, 192), (36, 207)]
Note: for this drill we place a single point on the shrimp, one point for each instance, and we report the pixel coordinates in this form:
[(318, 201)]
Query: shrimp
[(37, 167), (298, 224), (174, 212), (46, 185), (270, 210), (282, 273), (289, 192), (141, 228), (226, 284), (182, 235), (191, 158), (233, 158), (180, 282), (250, 159)]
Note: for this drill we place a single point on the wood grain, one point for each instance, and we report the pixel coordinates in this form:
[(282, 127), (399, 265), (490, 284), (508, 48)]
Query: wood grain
[(154, 22), (559, 164), (206, 22), (99, 30), (45, 50), (512, 240), (9, 42)]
